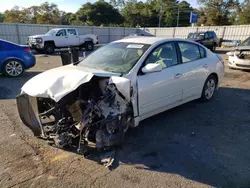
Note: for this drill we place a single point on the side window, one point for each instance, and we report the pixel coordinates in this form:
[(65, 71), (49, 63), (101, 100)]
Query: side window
[(165, 55), (202, 52), (206, 36), (61, 32), (211, 35), (189, 52), (71, 32)]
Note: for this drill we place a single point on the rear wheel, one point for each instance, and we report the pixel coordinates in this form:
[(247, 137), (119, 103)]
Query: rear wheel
[(49, 48), (13, 68), (209, 88)]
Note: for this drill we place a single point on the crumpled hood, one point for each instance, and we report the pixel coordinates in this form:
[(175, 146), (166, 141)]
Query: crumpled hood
[(57, 83)]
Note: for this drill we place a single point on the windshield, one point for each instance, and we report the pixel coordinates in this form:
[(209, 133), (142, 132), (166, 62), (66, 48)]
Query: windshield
[(196, 36), (52, 32), (246, 42), (118, 57)]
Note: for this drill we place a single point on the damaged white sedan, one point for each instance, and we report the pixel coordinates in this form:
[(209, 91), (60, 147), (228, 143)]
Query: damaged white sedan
[(116, 87), (239, 58)]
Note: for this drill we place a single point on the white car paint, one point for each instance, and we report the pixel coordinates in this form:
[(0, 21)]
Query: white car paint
[(235, 62), (152, 92), (62, 41)]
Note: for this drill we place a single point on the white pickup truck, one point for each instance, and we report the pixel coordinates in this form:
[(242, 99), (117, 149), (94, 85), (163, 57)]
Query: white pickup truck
[(61, 38)]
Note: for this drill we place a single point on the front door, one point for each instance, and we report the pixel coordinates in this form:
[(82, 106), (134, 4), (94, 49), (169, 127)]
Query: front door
[(61, 39), (158, 90)]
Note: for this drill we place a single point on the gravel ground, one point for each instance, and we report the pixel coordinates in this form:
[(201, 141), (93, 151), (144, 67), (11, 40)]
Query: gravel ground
[(194, 145)]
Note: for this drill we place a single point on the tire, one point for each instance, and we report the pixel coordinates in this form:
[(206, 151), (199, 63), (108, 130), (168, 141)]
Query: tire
[(213, 48), (89, 46), (209, 88), (49, 48), (13, 68)]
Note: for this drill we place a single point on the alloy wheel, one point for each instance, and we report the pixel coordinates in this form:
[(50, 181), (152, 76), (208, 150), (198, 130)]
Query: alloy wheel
[(13, 68), (210, 88)]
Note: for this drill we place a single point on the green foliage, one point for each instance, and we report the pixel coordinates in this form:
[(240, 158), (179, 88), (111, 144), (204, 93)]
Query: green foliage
[(133, 13), (217, 12), (244, 14), (99, 13), (44, 14), (1, 17)]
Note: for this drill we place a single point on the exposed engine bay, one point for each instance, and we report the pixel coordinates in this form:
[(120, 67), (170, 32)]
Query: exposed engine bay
[(96, 113)]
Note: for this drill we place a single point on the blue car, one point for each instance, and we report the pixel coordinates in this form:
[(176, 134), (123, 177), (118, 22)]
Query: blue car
[(14, 58)]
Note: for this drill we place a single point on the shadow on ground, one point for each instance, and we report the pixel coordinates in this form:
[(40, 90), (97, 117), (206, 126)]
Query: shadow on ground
[(11, 87), (203, 142)]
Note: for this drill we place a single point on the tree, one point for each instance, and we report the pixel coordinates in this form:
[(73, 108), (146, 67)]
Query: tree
[(184, 13), (99, 13), (48, 14), (244, 16), (17, 15), (217, 12), (1, 17)]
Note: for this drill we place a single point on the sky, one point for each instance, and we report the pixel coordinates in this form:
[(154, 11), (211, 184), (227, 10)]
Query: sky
[(65, 5)]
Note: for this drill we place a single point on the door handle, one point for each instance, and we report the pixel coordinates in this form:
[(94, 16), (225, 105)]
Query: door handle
[(177, 76), (205, 66), (66, 37)]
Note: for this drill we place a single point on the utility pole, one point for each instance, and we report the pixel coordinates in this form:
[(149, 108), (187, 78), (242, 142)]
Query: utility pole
[(178, 17), (160, 12)]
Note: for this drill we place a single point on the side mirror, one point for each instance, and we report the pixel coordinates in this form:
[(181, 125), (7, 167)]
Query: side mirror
[(152, 67)]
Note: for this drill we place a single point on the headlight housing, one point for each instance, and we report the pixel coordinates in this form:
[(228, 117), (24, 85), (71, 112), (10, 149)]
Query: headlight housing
[(39, 40)]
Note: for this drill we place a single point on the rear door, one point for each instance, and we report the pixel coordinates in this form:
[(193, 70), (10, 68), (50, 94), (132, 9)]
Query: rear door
[(194, 69), (61, 38), (73, 37)]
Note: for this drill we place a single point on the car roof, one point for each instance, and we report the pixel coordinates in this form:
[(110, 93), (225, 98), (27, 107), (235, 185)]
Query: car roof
[(148, 40)]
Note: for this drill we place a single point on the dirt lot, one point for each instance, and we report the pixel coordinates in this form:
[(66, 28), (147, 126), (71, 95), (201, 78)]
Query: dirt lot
[(194, 145)]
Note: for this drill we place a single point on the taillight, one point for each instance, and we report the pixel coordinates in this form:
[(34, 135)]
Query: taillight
[(28, 50), (97, 38)]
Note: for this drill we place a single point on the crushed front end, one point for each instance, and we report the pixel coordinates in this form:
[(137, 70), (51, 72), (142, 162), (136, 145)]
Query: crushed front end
[(239, 58), (96, 113)]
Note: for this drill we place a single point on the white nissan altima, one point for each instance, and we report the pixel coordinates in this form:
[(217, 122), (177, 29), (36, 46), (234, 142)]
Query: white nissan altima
[(117, 86)]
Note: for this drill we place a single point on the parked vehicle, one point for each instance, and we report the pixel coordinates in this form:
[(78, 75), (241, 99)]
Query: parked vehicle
[(239, 58), (116, 87), (60, 38), (208, 39), (144, 34), (14, 58)]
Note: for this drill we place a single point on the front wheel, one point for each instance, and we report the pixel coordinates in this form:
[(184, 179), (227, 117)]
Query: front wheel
[(209, 88), (13, 68), (49, 48), (89, 46)]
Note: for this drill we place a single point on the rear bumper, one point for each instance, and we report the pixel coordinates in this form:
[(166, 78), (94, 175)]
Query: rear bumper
[(30, 61)]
